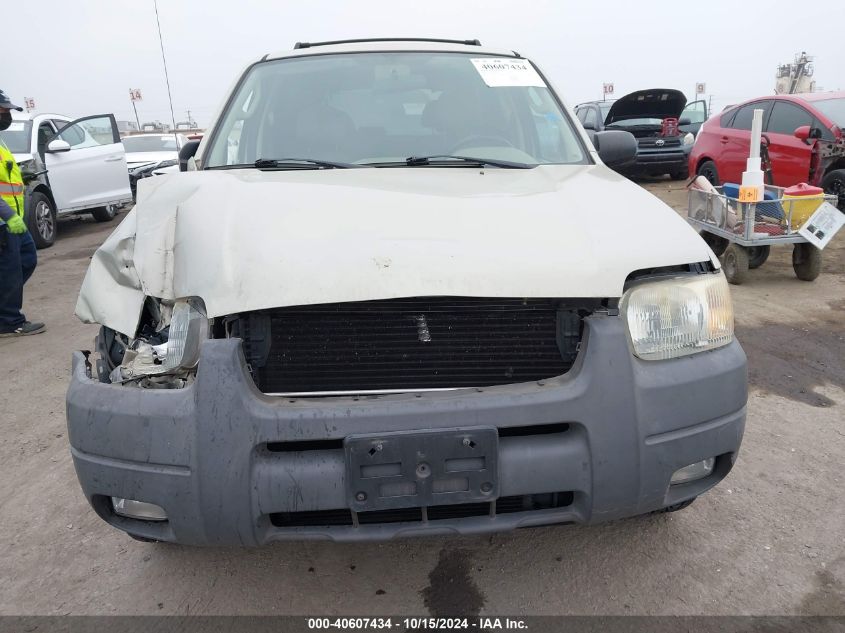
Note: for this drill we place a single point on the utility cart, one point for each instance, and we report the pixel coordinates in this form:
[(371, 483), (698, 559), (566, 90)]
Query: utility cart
[(721, 219)]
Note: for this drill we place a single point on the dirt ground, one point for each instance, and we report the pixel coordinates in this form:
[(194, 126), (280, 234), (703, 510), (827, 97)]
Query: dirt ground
[(770, 539)]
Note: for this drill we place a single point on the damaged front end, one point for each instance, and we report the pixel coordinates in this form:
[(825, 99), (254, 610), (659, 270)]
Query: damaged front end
[(165, 350)]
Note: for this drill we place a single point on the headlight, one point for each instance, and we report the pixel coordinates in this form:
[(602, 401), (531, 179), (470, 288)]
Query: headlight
[(679, 316), (689, 138), (188, 328)]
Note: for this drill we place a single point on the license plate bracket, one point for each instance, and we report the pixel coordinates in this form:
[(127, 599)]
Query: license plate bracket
[(422, 468)]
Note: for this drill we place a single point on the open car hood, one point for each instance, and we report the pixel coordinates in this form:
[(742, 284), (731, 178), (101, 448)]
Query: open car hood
[(246, 240), (655, 103)]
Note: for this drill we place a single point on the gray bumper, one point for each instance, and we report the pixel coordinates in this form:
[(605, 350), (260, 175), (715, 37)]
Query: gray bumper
[(202, 452)]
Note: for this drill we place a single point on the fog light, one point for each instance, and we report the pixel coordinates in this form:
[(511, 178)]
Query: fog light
[(698, 470), (138, 509)]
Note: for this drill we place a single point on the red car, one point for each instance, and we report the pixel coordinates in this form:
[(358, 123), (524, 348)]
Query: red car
[(804, 134)]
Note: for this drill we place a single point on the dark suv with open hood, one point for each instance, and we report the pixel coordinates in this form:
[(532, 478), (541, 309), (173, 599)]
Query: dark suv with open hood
[(661, 120)]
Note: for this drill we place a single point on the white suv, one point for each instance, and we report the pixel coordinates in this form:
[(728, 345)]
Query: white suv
[(69, 167), (397, 293)]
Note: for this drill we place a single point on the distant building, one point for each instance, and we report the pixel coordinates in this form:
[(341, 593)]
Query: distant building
[(127, 127), (796, 77)]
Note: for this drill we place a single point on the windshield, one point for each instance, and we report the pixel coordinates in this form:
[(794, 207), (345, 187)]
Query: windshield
[(833, 109), (385, 107), (17, 137), (150, 143)]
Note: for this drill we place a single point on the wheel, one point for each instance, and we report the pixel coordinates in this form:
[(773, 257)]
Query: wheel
[(834, 183), (679, 174), (104, 214), (675, 507), (806, 261), (716, 243), (758, 255), (708, 170), (735, 262), (41, 220)]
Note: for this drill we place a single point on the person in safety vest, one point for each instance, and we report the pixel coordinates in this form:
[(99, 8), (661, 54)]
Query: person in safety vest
[(17, 249)]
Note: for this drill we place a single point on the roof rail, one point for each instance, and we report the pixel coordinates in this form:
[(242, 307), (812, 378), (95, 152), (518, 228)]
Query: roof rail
[(388, 39)]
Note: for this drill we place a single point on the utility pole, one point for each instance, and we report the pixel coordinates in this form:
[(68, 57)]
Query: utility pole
[(190, 120)]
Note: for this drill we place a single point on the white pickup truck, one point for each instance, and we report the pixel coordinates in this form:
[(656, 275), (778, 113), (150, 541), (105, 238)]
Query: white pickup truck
[(69, 167)]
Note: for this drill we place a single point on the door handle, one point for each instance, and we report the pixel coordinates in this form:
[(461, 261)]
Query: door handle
[(724, 140), (113, 159)]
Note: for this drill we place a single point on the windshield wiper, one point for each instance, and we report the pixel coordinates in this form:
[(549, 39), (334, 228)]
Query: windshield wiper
[(287, 163), (414, 161)]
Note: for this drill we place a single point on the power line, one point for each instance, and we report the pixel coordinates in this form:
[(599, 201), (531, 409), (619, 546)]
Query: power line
[(164, 61)]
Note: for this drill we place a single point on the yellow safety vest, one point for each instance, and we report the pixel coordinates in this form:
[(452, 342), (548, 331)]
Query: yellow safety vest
[(11, 181)]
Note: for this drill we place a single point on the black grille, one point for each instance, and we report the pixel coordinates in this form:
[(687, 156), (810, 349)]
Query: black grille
[(667, 142), (503, 505), (404, 344)]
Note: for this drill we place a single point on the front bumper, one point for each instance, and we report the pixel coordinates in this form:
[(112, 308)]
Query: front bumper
[(223, 459), (658, 160)]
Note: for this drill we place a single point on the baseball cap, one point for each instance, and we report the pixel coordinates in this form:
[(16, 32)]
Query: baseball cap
[(5, 103)]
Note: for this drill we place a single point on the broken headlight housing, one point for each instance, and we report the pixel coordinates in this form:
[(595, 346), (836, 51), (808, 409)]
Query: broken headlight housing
[(679, 316), (188, 328), (172, 347)]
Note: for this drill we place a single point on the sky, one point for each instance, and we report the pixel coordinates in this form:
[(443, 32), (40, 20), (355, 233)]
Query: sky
[(82, 57)]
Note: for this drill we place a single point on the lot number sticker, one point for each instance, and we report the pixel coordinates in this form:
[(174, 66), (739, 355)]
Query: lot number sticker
[(499, 73)]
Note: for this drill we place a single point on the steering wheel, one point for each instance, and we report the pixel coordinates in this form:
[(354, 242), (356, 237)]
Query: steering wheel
[(481, 139)]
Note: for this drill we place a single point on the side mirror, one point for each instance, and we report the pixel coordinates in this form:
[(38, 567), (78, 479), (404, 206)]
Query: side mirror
[(187, 152), (805, 133), (684, 121), (589, 125), (615, 147), (58, 145)]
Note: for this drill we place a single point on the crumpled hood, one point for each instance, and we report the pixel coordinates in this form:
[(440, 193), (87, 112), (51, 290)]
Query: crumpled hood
[(247, 240), (655, 103)]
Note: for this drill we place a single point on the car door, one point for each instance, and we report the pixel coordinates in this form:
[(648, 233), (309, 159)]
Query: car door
[(696, 114), (92, 173), (790, 156), (735, 141)]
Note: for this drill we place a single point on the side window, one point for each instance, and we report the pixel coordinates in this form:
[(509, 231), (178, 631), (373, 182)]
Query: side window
[(45, 133), (581, 113), (590, 118), (742, 120), (695, 112), (786, 117), (89, 133)]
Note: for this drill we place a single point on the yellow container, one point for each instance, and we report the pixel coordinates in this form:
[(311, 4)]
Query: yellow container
[(802, 208)]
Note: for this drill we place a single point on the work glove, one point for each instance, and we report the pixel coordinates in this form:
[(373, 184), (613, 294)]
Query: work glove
[(16, 225)]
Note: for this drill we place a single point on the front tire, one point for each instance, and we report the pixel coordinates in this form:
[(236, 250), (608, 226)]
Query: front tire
[(735, 262), (709, 171), (834, 184), (717, 243), (104, 214), (806, 261), (41, 220), (758, 255)]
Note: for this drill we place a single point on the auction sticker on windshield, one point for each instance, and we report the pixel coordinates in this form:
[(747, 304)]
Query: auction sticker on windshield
[(502, 72)]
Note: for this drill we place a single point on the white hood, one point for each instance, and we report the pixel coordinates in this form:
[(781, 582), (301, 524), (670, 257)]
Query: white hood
[(246, 240)]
